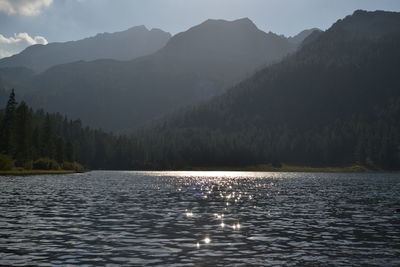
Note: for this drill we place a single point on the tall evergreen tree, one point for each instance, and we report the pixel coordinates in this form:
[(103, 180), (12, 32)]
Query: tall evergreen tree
[(60, 149), (47, 138), (8, 142), (69, 152), (23, 134)]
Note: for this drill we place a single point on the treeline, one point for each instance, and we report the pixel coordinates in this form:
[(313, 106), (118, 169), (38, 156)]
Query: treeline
[(36, 139), (371, 140)]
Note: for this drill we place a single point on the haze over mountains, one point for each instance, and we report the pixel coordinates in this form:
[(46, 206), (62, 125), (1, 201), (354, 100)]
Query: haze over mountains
[(299, 38), (193, 66), (126, 45)]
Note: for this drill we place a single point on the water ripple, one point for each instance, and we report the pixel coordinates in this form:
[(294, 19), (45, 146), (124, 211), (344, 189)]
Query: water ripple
[(200, 218)]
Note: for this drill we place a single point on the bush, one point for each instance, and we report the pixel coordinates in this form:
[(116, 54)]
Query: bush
[(46, 164), (73, 166), (276, 163), (6, 162), (28, 165)]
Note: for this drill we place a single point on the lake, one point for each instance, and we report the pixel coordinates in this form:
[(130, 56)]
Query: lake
[(200, 219)]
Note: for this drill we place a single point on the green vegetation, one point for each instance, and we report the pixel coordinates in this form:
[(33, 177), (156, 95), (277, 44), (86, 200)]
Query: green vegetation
[(6, 163), (46, 164), (21, 172), (38, 141), (72, 166)]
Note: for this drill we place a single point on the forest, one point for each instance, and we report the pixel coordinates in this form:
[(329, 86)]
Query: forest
[(39, 140)]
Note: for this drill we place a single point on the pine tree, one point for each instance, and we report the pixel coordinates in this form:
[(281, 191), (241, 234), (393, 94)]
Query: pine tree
[(36, 143), (8, 142), (47, 138), (60, 149), (23, 134), (69, 152)]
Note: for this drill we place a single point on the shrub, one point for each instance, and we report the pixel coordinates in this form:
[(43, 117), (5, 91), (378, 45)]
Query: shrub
[(73, 166), (28, 165), (276, 163), (6, 162), (46, 164)]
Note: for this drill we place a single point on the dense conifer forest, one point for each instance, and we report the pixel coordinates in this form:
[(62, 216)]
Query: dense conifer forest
[(39, 140)]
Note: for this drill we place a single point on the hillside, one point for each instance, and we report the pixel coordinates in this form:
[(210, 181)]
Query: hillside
[(335, 102), (126, 45)]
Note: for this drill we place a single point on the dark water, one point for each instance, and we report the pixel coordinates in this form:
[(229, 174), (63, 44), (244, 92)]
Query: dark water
[(200, 219)]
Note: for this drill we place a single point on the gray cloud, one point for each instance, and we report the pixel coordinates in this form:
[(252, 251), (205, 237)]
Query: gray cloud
[(14, 45), (23, 7)]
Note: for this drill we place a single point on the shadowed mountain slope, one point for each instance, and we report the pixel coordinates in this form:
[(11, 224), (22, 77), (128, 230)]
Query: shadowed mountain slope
[(334, 102)]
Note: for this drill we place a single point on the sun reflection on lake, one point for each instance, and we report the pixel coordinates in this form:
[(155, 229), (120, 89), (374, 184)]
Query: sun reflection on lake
[(225, 191), (215, 174), (188, 213)]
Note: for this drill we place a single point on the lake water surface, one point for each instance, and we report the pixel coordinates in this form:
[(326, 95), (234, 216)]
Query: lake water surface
[(200, 219)]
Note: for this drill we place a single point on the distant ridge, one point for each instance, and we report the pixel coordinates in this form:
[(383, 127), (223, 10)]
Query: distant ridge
[(300, 37), (125, 45)]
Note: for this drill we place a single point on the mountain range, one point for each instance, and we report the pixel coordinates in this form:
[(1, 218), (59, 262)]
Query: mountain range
[(193, 66)]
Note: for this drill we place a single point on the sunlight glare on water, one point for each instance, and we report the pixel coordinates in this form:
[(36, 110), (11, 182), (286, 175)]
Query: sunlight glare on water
[(200, 218)]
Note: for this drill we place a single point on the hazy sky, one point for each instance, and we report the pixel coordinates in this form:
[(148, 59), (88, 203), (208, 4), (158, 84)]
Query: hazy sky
[(62, 20)]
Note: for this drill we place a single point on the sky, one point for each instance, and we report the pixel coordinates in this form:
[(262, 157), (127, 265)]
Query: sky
[(27, 22)]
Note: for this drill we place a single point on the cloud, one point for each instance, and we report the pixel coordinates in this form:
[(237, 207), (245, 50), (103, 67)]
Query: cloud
[(24, 7), (14, 45)]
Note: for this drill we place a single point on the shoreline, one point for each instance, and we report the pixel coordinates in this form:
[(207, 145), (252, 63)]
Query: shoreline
[(256, 168), (289, 168), (35, 172), (269, 168)]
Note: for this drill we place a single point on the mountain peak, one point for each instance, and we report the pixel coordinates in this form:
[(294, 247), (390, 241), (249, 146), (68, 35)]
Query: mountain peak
[(138, 28), (216, 22), (218, 41), (370, 24), (244, 21)]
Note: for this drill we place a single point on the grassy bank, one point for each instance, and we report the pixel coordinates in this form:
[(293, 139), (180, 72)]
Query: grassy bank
[(286, 168), (34, 172)]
